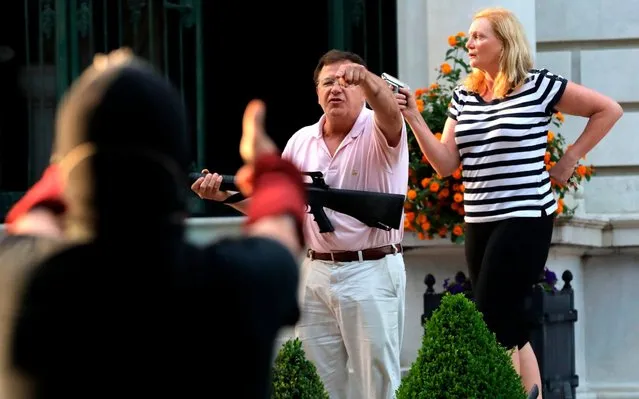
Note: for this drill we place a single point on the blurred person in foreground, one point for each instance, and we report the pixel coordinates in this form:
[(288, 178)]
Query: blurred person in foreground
[(33, 231), (497, 128), (131, 308)]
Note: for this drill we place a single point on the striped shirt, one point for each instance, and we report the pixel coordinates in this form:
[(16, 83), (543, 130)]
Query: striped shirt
[(502, 144)]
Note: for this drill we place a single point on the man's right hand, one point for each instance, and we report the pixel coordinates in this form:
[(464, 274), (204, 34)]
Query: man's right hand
[(208, 187)]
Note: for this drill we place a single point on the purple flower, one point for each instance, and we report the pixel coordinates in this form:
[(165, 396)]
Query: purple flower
[(550, 277), (456, 289)]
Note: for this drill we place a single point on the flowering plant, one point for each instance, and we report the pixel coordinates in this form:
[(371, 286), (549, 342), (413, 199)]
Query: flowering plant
[(461, 284), (548, 280), (434, 204)]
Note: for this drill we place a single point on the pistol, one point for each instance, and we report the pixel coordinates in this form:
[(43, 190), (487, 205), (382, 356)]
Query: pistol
[(393, 81)]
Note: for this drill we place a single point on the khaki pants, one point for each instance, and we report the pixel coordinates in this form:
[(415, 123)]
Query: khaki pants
[(353, 313)]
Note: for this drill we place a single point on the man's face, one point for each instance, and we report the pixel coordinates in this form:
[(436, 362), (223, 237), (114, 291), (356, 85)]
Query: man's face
[(338, 101)]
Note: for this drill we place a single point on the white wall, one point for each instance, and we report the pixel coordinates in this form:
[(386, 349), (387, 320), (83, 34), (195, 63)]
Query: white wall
[(597, 45)]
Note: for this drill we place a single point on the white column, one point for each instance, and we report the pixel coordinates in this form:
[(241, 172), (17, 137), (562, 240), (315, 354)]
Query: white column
[(412, 42), (424, 27)]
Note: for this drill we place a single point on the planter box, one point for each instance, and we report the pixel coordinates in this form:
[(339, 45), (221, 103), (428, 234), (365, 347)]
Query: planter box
[(552, 317)]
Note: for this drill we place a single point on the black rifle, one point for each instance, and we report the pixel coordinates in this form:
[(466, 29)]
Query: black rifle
[(380, 210)]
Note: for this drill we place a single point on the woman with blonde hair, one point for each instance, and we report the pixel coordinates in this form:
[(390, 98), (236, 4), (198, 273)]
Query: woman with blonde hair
[(497, 129)]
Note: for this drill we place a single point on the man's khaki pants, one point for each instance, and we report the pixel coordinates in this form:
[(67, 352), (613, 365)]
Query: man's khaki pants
[(353, 312)]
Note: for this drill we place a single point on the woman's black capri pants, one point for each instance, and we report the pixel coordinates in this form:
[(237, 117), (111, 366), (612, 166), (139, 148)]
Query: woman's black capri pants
[(505, 259)]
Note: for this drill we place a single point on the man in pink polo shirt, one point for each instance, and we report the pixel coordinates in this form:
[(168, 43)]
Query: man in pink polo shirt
[(353, 280)]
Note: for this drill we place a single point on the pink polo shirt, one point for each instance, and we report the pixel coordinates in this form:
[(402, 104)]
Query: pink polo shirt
[(363, 161)]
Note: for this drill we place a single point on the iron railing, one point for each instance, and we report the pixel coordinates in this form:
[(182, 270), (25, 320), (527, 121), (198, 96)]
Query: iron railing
[(61, 38)]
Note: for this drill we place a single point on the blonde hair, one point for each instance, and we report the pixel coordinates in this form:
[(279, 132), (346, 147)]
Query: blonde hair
[(516, 57)]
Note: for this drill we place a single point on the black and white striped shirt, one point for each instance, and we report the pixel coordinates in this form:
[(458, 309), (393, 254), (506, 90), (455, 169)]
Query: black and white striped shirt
[(502, 145)]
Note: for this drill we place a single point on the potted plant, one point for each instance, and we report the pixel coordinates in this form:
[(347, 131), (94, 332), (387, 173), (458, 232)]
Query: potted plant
[(552, 318), (434, 204), (460, 358), (294, 376)]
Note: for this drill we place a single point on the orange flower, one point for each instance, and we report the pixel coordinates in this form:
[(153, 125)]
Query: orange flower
[(446, 68), (458, 230), (411, 195), (420, 105), (457, 174), (425, 226), (419, 92), (410, 216), (560, 206), (560, 117), (582, 170), (452, 41), (434, 187), (546, 157), (425, 182), (421, 236), (438, 136), (442, 231), (461, 34), (444, 193), (458, 197), (551, 136)]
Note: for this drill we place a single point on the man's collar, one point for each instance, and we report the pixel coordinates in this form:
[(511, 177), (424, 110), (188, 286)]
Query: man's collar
[(355, 131)]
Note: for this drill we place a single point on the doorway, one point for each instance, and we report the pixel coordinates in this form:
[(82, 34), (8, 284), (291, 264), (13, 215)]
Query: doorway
[(268, 52)]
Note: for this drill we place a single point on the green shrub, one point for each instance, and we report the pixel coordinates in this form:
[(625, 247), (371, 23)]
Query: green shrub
[(294, 376), (460, 358)]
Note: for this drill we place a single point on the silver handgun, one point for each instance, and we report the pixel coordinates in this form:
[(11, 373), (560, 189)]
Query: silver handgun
[(393, 81)]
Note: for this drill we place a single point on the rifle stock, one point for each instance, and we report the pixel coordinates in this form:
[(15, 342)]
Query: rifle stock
[(379, 210)]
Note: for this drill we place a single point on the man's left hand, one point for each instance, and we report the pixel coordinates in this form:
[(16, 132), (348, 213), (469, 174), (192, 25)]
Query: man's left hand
[(351, 74)]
